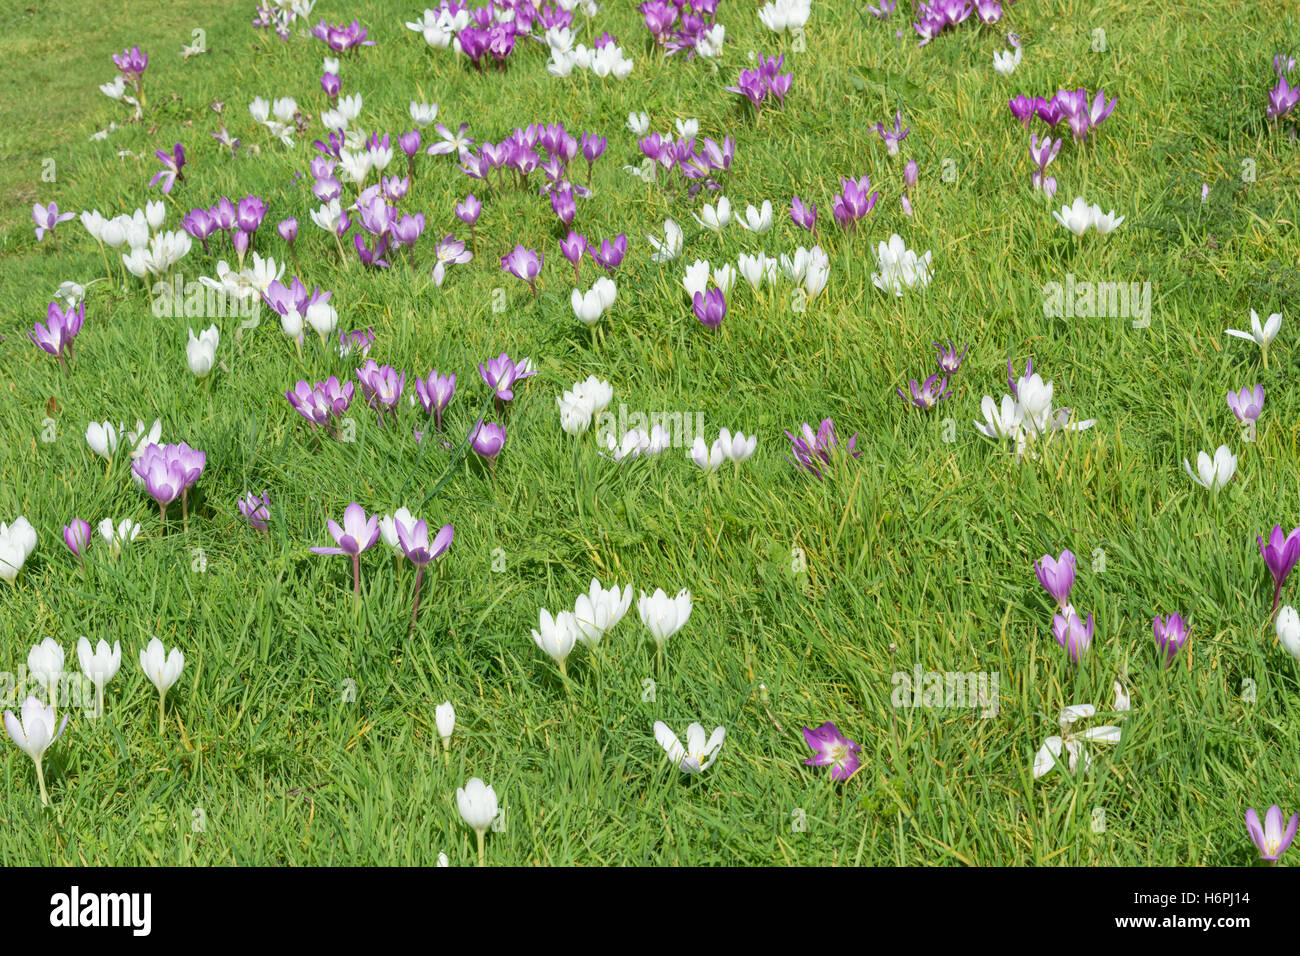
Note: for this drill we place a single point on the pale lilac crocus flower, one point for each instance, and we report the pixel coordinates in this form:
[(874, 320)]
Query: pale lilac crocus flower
[(357, 535)]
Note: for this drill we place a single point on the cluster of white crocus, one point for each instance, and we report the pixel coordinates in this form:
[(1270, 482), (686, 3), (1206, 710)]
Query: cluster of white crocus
[(279, 117), (726, 447), (248, 282), (345, 110), (165, 249), (1079, 217), (900, 267), (103, 437), (811, 268), (201, 352), (1028, 416), (17, 542), (755, 269), (1074, 741), (585, 401), (699, 752), (133, 229), (439, 27), (593, 616), (607, 60), (119, 534), (595, 302), (699, 272), (662, 615), (637, 441), (781, 15)]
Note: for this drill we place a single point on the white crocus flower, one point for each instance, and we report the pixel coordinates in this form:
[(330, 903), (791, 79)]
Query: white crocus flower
[(477, 803), (102, 438), (757, 220), (737, 447), (115, 537), (1288, 630), (900, 267), (45, 664), (1076, 217), (444, 716), (664, 616), (696, 278), (1006, 61), (998, 422), (201, 352), (1261, 333), (423, 114), (100, 665), (670, 246), (1213, 473), (17, 542), (638, 123), (162, 671), (557, 636), (709, 458), (724, 277), (698, 754), (34, 733), (715, 217), (596, 612)]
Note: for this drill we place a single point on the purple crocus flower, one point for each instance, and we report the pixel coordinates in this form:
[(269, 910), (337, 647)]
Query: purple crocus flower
[(357, 535), (47, 217), (610, 254), (288, 229), (1282, 98), (59, 331), (419, 550), (804, 216), (1280, 554), (162, 475), (573, 247), (1270, 839), (172, 164), (853, 202), (563, 204), (76, 535), (1171, 635), (200, 224), (449, 252), (910, 172), (499, 374), (410, 143), (488, 440), (435, 394), (926, 396), (256, 510), (523, 264), (949, 360), (341, 38), (710, 307), (321, 403), (1056, 575), (249, 214), (132, 62), (813, 452), (895, 136), (1072, 634), (1042, 153), (1023, 108), (358, 340), (469, 210), (752, 86), (1011, 376), (832, 749), (382, 387), (1247, 403)]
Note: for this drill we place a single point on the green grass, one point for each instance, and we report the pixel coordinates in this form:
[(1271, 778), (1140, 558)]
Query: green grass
[(918, 553)]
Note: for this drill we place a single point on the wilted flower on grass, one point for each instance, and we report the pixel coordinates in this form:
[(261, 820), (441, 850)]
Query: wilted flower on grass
[(927, 395), (172, 164), (1075, 742), (1270, 839), (832, 749), (698, 754)]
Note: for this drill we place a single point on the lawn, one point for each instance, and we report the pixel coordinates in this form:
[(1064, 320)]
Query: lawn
[(302, 728)]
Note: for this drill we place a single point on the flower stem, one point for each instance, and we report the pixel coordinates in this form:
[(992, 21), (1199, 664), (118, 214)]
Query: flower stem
[(419, 576), (40, 780), (162, 699), (479, 833)]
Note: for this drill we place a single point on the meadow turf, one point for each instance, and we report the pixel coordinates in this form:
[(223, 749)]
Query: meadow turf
[(918, 553)]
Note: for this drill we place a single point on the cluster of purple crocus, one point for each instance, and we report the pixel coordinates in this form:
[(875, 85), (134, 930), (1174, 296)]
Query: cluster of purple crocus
[(934, 17), (1074, 107), (1284, 96), (59, 330), (486, 36), (755, 85), (816, 452), (1056, 575), (678, 25), (340, 38), (167, 472), (927, 395), (608, 255), (378, 215), (323, 403), (275, 17), (239, 222), (293, 304), (1042, 153), (696, 168), (132, 63)]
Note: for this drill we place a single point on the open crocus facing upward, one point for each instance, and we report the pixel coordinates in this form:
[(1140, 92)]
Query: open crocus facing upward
[(1261, 333), (1271, 839), (357, 535), (1213, 473), (832, 749), (700, 751)]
